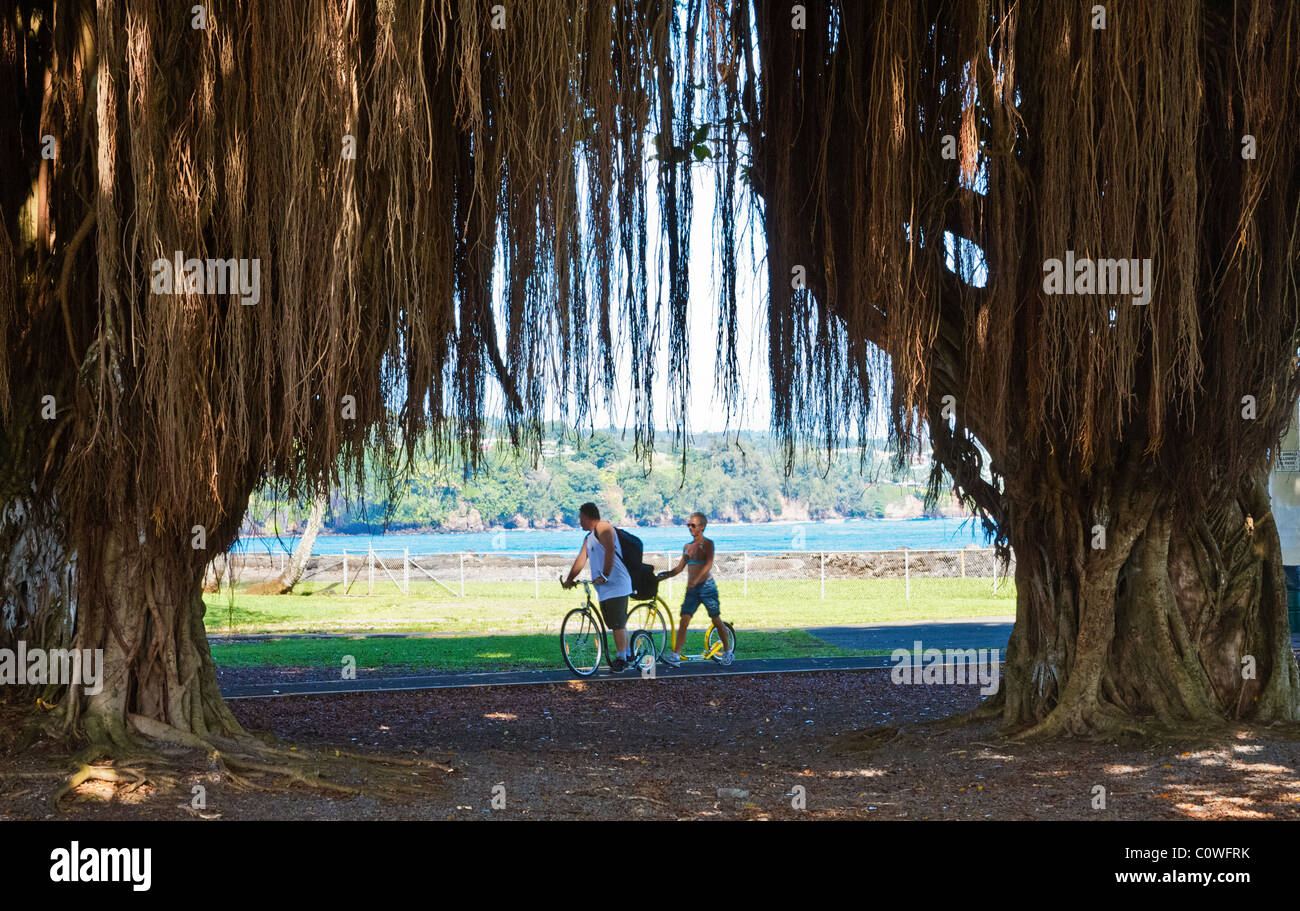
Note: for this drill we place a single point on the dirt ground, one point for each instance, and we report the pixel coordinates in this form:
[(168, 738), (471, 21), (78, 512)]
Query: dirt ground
[(827, 745)]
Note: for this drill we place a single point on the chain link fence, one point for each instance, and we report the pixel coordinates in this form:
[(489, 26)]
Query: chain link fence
[(386, 570)]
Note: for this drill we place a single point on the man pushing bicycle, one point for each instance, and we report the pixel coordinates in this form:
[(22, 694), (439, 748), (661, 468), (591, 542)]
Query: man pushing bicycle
[(697, 560), (609, 575)]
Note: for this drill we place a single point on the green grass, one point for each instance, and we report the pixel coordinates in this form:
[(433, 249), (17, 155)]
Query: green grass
[(768, 620), (486, 653), (509, 607)]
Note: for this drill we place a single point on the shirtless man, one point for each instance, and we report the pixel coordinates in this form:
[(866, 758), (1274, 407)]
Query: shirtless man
[(697, 560)]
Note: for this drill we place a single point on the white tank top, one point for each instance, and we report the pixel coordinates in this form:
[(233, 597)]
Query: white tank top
[(619, 583)]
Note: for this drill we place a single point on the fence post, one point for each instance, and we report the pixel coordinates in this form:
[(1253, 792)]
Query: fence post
[(537, 591), (995, 572), (963, 564), (282, 555), (406, 571), (823, 576), (370, 582), (746, 574), (462, 575), (345, 572), (907, 574)]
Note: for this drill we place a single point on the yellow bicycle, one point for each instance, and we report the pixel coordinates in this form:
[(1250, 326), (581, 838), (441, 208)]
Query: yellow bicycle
[(655, 618)]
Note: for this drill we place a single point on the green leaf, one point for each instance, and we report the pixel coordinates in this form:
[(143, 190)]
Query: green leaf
[(701, 134), (702, 152)]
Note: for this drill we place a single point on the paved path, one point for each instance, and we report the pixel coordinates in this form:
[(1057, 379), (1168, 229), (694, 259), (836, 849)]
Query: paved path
[(982, 632), (516, 678)]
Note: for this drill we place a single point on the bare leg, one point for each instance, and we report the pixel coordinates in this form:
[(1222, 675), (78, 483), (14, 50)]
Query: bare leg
[(620, 640), (680, 642), (722, 633)]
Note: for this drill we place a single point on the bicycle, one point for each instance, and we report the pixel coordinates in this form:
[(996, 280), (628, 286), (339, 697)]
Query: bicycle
[(659, 625), (584, 640)]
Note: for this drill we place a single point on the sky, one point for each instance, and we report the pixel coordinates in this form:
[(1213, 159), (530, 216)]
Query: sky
[(705, 411)]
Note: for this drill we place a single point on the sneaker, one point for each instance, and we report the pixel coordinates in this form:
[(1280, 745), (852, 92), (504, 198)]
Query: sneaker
[(617, 665), (726, 658), (671, 658)]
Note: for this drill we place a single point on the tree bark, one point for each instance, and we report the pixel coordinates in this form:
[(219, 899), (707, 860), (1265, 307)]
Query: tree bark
[(1172, 624), (37, 600), (142, 603)]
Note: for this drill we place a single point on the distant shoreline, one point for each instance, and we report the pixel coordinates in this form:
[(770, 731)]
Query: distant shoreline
[(561, 527)]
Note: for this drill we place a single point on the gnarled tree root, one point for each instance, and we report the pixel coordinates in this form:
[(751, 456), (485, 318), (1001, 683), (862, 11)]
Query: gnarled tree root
[(159, 754), (1098, 721)]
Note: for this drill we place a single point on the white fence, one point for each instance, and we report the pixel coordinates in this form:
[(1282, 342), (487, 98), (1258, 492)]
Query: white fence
[(353, 573)]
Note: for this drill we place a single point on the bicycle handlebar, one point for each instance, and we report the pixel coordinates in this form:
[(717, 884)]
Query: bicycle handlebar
[(583, 582)]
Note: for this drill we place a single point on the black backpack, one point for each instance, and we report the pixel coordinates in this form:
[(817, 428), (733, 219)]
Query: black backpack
[(632, 548), (645, 584)]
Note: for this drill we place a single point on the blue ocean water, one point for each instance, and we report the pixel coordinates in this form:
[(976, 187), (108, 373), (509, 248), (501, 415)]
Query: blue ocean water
[(846, 535)]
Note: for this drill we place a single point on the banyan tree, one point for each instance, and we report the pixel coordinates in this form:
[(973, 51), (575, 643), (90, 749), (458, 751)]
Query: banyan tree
[(245, 241)]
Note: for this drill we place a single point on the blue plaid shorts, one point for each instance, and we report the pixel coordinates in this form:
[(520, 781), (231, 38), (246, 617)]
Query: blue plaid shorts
[(706, 594)]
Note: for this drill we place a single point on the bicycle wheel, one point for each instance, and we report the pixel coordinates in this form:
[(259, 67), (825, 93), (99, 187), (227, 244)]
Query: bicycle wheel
[(581, 642), (713, 637), (649, 617), (642, 647)]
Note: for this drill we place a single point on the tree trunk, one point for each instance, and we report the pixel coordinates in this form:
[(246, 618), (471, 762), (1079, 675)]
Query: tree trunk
[(293, 570), (37, 603), (139, 600), (142, 603), (1172, 623)]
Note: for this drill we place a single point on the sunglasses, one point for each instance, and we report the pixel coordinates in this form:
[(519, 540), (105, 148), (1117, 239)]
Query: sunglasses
[(692, 524)]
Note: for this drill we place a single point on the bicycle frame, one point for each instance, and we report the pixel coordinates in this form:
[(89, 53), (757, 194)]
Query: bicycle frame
[(661, 605), (707, 655), (658, 603), (593, 608)]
